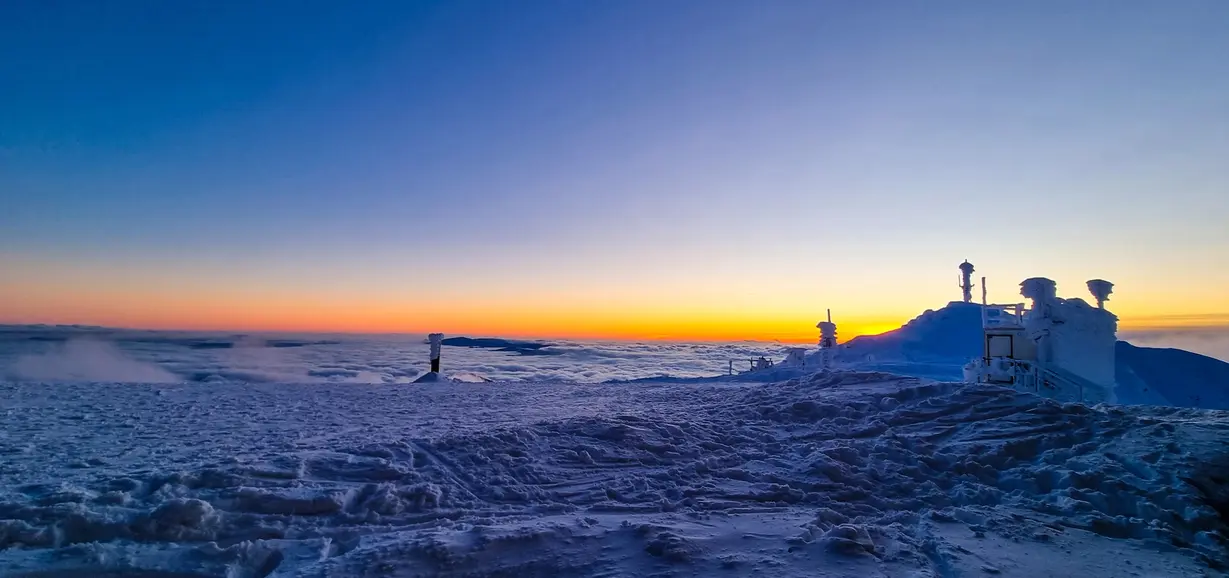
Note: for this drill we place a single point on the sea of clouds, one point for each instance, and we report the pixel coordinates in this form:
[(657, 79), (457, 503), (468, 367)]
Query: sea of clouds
[(40, 353), (1209, 341), (59, 353)]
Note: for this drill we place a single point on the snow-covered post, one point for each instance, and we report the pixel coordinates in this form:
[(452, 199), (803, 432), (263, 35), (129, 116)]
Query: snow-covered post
[(827, 341), (436, 340)]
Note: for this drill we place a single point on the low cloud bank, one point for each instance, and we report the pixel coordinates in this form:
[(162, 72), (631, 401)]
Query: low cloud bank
[(86, 360), (51, 355), (1209, 341), (55, 354)]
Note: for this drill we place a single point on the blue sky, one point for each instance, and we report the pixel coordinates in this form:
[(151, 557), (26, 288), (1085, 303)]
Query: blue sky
[(773, 158)]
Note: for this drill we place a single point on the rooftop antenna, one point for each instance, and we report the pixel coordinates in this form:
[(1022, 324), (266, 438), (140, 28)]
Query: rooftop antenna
[(983, 290), (966, 280), (1100, 289)]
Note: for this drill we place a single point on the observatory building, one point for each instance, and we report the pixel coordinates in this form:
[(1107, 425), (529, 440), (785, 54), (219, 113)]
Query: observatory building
[(1061, 348)]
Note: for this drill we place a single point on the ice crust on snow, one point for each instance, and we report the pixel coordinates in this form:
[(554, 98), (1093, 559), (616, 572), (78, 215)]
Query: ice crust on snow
[(835, 474)]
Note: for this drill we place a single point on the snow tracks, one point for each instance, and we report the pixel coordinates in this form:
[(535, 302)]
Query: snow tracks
[(848, 474)]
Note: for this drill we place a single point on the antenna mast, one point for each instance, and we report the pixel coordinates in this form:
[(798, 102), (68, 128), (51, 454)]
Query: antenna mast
[(966, 281)]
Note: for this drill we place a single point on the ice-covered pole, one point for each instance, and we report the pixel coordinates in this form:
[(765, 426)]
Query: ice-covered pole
[(1100, 289), (966, 280), (827, 340), (827, 332), (437, 341)]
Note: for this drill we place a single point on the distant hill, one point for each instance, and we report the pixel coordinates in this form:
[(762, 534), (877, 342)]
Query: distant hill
[(506, 345), (937, 342)]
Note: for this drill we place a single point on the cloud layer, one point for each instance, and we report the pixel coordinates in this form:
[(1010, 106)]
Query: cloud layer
[(1209, 341), (95, 354), (92, 354)]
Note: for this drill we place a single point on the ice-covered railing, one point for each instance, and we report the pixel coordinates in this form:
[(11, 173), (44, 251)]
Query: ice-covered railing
[(994, 315)]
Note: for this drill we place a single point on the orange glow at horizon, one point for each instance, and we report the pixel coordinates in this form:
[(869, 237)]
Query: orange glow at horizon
[(537, 320), (186, 311), (612, 325), (662, 311)]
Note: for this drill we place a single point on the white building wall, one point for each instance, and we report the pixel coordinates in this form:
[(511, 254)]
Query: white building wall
[(1078, 338)]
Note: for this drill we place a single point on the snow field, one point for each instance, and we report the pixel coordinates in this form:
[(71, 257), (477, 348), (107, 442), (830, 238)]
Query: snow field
[(846, 474)]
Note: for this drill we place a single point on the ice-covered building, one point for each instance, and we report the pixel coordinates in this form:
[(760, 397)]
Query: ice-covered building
[(796, 356), (1062, 348)]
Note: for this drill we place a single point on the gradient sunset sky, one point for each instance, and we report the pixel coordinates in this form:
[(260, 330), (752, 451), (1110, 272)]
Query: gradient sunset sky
[(609, 168)]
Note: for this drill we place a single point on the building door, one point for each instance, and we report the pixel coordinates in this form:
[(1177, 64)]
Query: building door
[(999, 346)]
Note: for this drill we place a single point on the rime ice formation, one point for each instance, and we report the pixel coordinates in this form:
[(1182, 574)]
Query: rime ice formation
[(1060, 348), (436, 341), (966, 281), (1100, 290), (1073, 336), (827, 342), (936, 343), (796, 356), (836, 474)]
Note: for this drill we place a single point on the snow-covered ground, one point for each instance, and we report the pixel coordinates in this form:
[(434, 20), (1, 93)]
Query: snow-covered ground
[(848, 474)]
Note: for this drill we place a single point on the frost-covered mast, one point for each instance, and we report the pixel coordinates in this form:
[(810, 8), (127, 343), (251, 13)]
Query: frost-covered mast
[(966, 280), (437, 341), (827, 341)]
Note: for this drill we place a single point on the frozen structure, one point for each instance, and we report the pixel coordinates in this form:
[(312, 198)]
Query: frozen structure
[(1100, 289), (800, 359), (1060, 348), (796, 356), (436, 341), (966, 280), (827, 342)]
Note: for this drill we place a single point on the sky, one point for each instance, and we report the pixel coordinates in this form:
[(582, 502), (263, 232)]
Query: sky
[(680, 169)]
